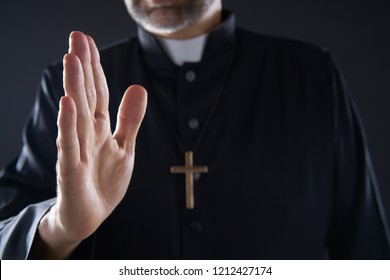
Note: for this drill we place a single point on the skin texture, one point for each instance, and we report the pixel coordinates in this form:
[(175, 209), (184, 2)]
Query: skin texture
[(88, 153)]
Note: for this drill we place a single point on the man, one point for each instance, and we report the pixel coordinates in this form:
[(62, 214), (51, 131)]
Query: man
[(250, 149)]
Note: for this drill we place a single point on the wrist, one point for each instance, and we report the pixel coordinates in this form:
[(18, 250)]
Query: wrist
[(52, 238)]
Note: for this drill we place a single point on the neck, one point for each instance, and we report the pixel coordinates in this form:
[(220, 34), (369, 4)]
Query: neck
[(207, 23)]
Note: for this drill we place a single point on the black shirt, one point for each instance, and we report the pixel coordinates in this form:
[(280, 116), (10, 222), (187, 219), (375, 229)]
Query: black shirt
[(289, 172)]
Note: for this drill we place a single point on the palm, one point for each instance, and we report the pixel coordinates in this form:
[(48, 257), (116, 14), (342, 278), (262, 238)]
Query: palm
[(94, 166)]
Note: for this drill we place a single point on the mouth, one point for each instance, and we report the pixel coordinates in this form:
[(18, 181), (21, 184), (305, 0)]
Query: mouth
[(161, 8), (162, 4)]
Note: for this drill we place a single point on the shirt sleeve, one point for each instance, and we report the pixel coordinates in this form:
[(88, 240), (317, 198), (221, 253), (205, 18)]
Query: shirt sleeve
[(28, 184), (17, 233), (358, 227)]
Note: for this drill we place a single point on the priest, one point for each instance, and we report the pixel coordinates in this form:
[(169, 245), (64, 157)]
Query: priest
[(250, 147)]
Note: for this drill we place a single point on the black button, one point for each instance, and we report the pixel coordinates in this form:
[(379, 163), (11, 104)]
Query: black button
[(190, 76), (196, 176), (196, 227), (193, 123)]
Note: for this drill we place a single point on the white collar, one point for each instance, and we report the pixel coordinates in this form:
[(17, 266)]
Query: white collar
[(181, 51)]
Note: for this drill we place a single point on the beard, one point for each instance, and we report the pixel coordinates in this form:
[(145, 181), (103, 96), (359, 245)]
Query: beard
[(167, 16)]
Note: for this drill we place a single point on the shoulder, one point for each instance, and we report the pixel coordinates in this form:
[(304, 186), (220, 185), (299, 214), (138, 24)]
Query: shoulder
[(118, 47), (118, 51), (283, 50)]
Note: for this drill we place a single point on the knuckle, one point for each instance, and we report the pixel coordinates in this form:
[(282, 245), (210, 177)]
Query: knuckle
[(101, 115), (102, 85), (90, 91), (65, 146), (83, 112), (58, 143)]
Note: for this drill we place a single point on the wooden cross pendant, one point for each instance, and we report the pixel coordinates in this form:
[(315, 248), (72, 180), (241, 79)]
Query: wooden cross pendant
[(189, 169)]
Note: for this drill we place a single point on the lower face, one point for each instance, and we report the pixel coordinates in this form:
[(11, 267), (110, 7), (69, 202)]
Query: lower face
[(167, 16)]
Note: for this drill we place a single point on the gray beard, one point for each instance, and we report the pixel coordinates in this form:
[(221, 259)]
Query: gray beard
[(180, 17)]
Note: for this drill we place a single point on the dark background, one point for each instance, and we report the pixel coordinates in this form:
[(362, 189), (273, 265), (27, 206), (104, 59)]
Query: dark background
[(357, 32)]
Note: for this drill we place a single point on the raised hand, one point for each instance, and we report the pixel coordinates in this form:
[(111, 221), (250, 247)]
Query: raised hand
[(94, 166)]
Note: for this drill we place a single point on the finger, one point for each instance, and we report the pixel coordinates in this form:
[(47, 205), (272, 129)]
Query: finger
[(74, 88), (67, 141), (130, 115), (78, 45), (102, 96)]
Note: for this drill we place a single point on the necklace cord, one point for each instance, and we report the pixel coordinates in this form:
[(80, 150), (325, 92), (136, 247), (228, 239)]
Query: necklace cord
[(211, 111), (217, 98)]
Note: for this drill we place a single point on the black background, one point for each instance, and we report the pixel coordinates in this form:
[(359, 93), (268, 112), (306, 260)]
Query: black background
[(357, 32)]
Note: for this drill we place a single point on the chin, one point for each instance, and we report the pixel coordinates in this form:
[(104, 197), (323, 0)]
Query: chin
[(165, 21)]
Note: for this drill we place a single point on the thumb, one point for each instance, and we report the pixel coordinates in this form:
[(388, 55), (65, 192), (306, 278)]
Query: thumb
[(130, 115)]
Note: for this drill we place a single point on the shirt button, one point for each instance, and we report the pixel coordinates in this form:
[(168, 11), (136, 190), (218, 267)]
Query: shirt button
[(196, 176), (190, 76), (193, 123), (196, 227)]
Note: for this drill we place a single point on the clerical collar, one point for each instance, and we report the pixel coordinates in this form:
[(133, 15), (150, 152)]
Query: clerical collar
[(217, 41), (181, 51)]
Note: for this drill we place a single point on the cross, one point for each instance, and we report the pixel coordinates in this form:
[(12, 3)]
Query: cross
[(189, 169)]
